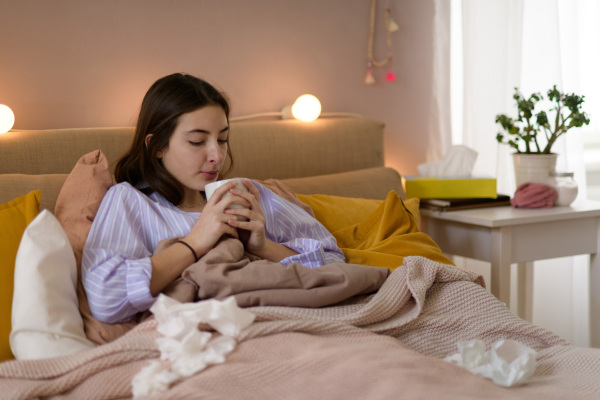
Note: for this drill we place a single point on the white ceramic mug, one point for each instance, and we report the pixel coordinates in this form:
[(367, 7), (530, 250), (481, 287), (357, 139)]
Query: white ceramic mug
[(211, 187)]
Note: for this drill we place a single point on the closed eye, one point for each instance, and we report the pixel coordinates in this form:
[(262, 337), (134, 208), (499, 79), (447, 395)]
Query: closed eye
[(196, 143)]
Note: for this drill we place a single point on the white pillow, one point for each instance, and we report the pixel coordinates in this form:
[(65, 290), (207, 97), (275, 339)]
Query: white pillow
[(45, 312)]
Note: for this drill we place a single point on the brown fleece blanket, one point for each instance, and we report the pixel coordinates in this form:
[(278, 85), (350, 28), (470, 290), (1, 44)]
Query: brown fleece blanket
[(386, 345), (227, 270)]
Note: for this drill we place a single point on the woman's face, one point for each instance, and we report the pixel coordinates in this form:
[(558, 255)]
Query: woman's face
[(197, 148)]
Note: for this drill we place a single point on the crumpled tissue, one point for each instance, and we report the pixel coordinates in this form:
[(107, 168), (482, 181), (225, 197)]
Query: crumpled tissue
[(458, 162), (184, 346), (507, 363)]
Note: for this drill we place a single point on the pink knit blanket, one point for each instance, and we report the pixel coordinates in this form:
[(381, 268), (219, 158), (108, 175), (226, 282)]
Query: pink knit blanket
[(386, 345)]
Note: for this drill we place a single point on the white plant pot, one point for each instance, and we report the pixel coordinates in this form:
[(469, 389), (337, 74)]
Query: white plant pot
[(534, 168)]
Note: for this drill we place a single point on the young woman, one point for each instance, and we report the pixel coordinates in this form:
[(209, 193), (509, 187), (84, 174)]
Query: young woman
[(181, 143)]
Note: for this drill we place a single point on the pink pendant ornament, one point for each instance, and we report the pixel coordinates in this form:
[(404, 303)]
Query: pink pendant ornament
[(390, 26), (369, 80), (390, 77)]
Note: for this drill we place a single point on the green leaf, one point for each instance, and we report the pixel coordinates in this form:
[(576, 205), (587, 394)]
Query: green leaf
[(541, 118)]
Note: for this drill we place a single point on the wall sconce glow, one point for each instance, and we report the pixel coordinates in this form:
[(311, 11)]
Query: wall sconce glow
[(7, 118), (306, 108)]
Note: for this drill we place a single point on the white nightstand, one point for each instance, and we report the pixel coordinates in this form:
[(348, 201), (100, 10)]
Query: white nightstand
[(506, 235)]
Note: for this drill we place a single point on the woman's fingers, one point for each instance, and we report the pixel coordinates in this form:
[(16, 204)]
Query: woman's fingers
[(212, 225), (247, 213), (251, 195), (250, 186), (220, 192), (235, 209)]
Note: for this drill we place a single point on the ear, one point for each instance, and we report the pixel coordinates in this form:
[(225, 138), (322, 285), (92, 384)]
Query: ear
[(147, 142)]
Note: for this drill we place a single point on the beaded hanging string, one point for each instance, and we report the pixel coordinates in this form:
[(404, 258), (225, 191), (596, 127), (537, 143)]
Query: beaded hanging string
[(390, 26)]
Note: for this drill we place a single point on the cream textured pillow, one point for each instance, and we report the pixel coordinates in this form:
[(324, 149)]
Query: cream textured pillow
[(45, 314)]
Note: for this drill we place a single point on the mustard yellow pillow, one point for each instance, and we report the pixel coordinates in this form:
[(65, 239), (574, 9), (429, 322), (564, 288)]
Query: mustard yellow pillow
[(14, 218), (379, 233), (387, 235), (336, 212)]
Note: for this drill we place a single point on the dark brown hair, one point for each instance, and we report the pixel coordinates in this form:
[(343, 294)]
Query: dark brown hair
[(166, 100)]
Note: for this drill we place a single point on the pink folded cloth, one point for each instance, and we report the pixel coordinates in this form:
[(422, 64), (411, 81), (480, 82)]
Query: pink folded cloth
[(534, 195)]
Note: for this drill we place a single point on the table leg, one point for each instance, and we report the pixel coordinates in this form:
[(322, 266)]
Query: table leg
[(500, 260), (525, 291), (595, 292)]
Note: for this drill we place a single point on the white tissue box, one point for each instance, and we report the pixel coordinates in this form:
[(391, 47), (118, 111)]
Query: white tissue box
[(449, 188)]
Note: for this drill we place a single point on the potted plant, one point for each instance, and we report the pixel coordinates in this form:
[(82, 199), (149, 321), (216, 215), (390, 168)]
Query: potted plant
[(533, 133)]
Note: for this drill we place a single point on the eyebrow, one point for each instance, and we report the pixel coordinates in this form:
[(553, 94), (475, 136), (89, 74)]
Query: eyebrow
[(207, 132)]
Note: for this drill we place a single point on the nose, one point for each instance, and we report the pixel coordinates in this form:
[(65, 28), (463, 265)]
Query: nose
[(215, 155)]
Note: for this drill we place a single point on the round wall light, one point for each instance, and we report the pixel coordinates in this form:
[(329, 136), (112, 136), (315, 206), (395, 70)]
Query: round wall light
[(7, 118), (306, 108)]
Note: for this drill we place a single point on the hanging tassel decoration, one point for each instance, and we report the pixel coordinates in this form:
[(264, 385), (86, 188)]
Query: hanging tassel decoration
[(390, 26), (369, 79), (390, 77)]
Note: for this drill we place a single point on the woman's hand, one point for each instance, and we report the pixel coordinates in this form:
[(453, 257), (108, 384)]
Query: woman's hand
[(170, 259), (252, 232), (214, 221)]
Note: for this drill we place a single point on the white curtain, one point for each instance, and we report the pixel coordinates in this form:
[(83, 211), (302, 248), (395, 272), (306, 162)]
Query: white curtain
[(439, 124), (532, 45)]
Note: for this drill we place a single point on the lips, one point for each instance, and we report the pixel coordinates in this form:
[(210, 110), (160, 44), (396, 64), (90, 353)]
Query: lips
[(210, 174)]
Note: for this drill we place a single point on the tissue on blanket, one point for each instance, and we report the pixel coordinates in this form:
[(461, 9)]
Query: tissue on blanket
[(458, 162), (188, 349), (534, 195), (507, 363)]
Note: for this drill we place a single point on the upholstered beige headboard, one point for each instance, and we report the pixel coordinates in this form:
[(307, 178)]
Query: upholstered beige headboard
[(337, 156)]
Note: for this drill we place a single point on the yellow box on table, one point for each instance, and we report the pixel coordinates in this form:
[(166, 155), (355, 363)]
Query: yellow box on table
[(449, 188)]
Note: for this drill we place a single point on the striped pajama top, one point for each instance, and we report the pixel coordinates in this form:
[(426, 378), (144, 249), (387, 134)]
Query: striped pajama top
[(116, 267)]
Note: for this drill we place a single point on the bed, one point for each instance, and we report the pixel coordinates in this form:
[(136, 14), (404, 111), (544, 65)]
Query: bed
[(392, 322)]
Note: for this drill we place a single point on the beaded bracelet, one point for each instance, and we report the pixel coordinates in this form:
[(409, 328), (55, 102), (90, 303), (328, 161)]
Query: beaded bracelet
[(196, 258)]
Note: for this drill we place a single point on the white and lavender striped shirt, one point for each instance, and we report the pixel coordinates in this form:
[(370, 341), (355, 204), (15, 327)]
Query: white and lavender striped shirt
[(116, 266)]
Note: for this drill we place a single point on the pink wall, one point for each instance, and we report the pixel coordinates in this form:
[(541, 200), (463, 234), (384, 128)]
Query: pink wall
[(74, 63)]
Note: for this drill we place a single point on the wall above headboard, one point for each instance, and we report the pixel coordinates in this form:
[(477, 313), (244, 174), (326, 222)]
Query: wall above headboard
[(72, 63)]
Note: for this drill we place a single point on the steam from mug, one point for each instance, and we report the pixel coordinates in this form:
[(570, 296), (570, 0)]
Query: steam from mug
[(211, 187)]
